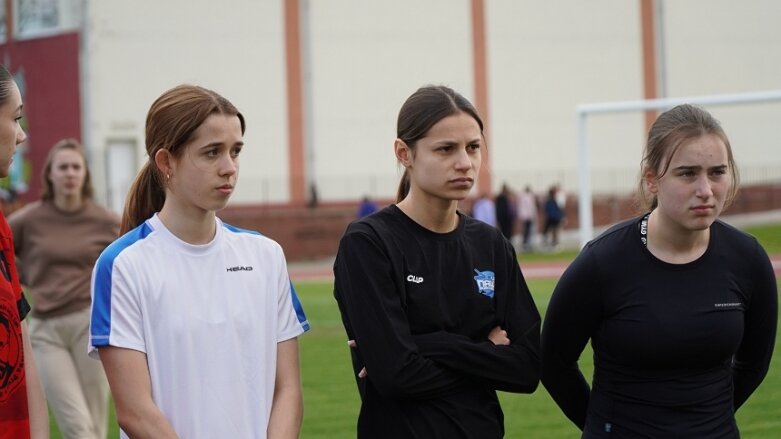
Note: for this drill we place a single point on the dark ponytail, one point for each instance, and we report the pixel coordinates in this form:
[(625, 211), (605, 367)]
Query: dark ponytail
[(403, 190), (421, 111)]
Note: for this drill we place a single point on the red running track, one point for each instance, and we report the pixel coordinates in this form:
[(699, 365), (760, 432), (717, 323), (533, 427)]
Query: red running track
[(531, 270)]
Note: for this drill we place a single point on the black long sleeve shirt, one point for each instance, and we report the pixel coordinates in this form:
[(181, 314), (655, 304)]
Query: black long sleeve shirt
[(420, 306), (677, 347)]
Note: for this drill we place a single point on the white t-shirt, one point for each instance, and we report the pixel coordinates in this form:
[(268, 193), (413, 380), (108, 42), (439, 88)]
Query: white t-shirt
[(208, 317)]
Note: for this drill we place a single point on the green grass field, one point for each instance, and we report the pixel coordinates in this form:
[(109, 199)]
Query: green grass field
[(769, 236), (331, 399)]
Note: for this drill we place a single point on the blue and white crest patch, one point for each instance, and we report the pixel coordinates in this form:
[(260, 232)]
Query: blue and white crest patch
[(485, 282)]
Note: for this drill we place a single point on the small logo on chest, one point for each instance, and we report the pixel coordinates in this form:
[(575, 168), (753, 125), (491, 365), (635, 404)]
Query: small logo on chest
[(728, 305), (415, 279), (485, 282), (238, 268)]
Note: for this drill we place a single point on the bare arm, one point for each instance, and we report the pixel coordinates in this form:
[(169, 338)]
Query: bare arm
[(128, 376), (36, 401), (287, 409)]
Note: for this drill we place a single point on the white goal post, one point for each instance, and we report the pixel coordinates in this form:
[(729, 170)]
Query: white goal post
[(585, 213)]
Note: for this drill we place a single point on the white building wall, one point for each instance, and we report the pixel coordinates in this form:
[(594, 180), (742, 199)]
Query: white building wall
[(368, 56), (722, 47), (137, 50), (545, 58)]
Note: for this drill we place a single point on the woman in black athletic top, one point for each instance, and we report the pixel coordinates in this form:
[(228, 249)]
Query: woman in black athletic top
[(434, 301), (680, 307)]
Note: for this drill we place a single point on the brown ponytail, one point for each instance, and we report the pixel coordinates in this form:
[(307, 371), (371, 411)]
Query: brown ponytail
[(170, 123), (672, 129), (145, 197)]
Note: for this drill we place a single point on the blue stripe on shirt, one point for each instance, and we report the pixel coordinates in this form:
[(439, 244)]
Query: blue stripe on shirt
[(296, 303), (239, 230), (299, 309), (100, 326)]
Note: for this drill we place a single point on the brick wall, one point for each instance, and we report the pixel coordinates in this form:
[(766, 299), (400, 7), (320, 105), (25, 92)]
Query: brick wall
[(304, 233), (313, 233)]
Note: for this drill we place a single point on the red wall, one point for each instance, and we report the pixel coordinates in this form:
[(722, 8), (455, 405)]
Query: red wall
[(52, 106)]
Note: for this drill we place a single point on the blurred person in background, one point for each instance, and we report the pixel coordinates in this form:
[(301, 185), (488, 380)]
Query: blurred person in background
[(681, 308), (505, 211), (434, 304), (527, 215), (23, 410), (57, 241), (484, 209), (553, 218), (366, 207), (561, 200)]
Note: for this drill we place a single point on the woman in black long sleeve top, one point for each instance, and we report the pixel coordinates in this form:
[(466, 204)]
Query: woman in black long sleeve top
[(680, 307), (434, 300)]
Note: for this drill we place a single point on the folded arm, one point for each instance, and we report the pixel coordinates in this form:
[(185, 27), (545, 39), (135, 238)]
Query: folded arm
[(510, 367), (374, 317)]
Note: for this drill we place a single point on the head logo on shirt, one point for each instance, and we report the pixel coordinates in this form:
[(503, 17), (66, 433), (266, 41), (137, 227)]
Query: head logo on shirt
[(485, 282)]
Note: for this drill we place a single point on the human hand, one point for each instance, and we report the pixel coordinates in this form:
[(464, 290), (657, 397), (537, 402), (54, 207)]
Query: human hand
[(363, 373), (498, 336)]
